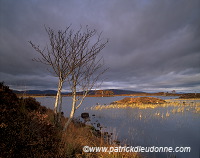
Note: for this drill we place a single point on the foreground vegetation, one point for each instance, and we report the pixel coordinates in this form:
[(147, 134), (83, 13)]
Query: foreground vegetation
[(27, 130)]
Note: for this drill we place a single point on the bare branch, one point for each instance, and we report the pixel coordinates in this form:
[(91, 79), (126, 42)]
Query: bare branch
[(72, 56), (85, 67)]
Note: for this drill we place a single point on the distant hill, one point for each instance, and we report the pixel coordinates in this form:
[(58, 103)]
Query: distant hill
[(44, 92), (115, 91), (121, 91), (53, 92)]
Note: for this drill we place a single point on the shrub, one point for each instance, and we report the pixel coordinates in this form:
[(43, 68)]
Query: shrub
[(24, 128), (31, 104)]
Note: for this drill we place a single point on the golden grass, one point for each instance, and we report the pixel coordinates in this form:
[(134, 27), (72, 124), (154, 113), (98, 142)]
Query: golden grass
[(179, 105), (79, 135)]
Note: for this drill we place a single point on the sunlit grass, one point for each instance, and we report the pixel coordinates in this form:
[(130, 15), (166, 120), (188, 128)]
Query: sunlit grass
[(179, 106)]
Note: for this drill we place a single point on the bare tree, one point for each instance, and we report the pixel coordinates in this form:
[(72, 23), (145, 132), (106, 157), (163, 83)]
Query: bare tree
[(72, 57), (56, 56), (86, 67)]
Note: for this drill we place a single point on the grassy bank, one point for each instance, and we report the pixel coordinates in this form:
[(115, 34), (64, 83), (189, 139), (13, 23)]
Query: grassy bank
[(27, 130)]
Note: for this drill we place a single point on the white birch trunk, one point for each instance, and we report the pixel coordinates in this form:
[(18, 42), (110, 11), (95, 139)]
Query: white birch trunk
[(72, 111), (57, 110)]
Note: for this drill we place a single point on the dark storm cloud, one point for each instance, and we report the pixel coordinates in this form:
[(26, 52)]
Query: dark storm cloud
[(153, 45)]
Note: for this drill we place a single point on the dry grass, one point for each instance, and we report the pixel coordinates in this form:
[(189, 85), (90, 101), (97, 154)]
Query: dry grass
[(27, 130), (79, 135), (180, 105)]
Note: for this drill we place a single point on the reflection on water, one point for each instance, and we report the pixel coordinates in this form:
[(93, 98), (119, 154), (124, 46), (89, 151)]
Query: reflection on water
[(162, 126)]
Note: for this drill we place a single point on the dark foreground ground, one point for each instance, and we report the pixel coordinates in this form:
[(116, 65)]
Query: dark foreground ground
[(27, 130)]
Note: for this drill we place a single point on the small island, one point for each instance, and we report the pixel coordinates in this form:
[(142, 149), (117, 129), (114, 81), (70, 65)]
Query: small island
[(138, 102), (178, 105)]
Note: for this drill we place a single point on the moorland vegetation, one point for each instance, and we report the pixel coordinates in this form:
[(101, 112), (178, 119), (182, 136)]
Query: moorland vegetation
[(27, 130)]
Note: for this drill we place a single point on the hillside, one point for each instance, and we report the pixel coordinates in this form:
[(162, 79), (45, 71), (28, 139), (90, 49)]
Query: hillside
[(189, 95), (92, 92), (38, 92), (27, 130), (121, 91)]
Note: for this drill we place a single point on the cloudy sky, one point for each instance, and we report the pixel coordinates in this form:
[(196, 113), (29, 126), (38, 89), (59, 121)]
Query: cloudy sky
[(154, 45)]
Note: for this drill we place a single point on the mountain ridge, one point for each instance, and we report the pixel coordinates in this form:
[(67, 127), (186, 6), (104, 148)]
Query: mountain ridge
[(91, 92)]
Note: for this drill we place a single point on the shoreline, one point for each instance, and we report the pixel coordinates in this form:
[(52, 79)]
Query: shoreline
[(128, 95)]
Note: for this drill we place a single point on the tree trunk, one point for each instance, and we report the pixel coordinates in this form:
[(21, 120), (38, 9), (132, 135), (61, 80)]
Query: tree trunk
[(58, 102), (60, 109), (72, 111)]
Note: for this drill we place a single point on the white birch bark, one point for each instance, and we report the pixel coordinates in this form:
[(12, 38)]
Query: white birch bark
[(74, 100), (58, 103)]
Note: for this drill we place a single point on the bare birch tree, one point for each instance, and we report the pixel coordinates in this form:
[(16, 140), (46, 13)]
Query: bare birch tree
[(56, 56), (72, 57), (86, 67)]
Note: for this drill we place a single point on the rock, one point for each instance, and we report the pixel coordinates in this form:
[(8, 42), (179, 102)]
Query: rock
[(105, 133), (98, 124), (85, 115)]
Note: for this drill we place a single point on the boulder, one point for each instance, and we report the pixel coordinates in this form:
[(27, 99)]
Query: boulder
[(85, 115)]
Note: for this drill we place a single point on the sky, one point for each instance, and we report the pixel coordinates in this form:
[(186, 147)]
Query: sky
[(153, 45)]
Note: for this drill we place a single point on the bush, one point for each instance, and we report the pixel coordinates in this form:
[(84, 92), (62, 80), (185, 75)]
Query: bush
[(24, 128), (26, 131), (31, 104)]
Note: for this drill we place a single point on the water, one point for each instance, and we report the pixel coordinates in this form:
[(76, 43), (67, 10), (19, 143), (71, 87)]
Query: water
[(143, 127)]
